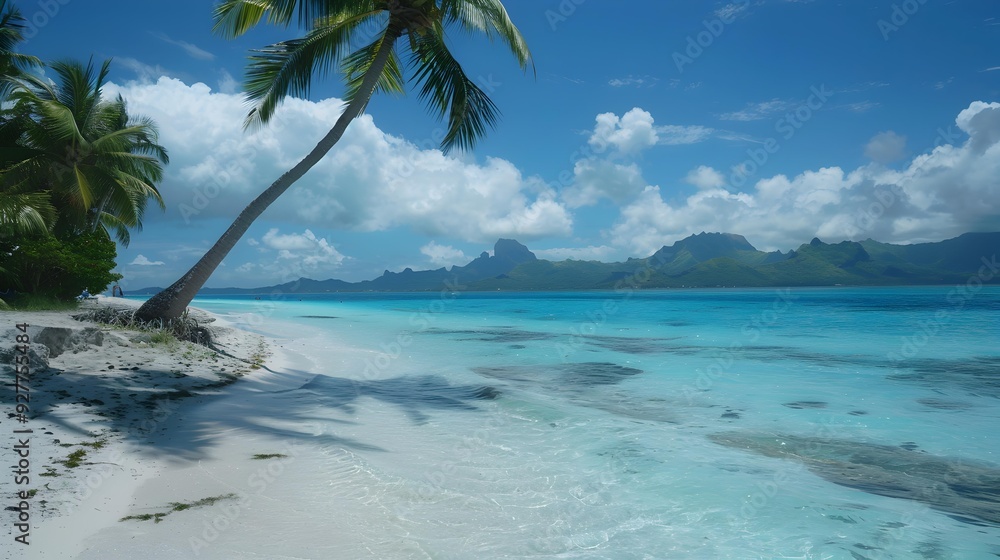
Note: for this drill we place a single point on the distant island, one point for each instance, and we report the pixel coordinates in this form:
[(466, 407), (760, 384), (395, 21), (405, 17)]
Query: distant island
[(706, 260)]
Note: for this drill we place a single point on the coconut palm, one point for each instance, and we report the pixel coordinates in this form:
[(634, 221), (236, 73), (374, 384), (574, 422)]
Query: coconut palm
[(12, 63), (21, 213), (333, 26), (98, 164)]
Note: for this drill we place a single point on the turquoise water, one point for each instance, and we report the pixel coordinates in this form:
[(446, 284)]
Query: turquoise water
[(807, 423)]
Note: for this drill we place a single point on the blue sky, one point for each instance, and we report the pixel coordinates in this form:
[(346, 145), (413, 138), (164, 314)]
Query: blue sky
[(777, 119)]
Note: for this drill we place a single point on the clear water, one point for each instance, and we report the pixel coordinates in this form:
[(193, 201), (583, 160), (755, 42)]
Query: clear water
[(811, 423)]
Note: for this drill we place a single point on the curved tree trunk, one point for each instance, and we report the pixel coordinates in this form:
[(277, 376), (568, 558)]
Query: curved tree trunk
[(172, 301)]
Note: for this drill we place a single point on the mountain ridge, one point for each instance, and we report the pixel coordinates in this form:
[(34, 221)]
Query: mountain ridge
[(703, 260)]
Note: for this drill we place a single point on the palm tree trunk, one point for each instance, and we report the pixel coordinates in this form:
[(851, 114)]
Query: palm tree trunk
[(172, 301)]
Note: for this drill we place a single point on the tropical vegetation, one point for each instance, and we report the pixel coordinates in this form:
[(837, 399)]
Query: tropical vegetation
[(76, 169)]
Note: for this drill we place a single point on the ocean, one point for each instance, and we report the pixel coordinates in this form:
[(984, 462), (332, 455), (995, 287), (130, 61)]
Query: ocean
[(855, 423)]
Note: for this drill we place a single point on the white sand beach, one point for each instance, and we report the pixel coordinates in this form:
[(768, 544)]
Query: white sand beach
[(163, 433)]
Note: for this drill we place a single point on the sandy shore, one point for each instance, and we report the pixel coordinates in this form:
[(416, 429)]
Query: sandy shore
[(115, 433)]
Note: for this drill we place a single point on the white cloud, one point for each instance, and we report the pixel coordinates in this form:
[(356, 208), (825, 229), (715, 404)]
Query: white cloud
[(940, 194), (444, 255), (705, 177), (192, 50), (599, 178), (144, 72), (636, 131), (981, 121), (634, 81), (292, 255), (614, 139), (675, 134), (886, 147), (227, 83), (862, 106), (370, 181), (732, 10), (944, 83), (758, 111), (141, 260), (630, 133)]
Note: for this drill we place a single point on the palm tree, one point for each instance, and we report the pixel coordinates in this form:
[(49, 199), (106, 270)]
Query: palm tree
[(12, 63), (98, 164), (21, 213), (286, 68)]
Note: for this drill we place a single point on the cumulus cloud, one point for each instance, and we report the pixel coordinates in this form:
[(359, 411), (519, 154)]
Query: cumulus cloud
[(886, 147), (636, 131), (444, 255), (141, 260), (610, 172), (227, 83), (601, 178), (981, 121), (940, 194), (705, 177), (630, 133), (289, 256), (371, 181)]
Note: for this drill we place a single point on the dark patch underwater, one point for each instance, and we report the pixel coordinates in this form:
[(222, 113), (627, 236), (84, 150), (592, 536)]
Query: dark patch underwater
[(968, 491)]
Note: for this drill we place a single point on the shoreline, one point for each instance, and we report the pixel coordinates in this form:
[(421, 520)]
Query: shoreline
[(104, 405)]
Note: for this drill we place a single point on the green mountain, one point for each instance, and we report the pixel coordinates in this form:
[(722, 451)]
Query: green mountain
[(727, 260), (699, 261)]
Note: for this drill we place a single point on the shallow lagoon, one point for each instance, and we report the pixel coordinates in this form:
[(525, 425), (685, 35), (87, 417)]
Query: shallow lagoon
[(811, 423)]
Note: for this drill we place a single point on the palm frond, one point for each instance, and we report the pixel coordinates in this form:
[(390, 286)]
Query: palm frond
[(287, 68), (11, 33), (491, 18), (25, 214), (111, 222), (357, 65), (448, 91), (234, 18)]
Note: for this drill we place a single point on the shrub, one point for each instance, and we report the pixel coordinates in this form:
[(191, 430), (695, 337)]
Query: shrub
[(59, 268)]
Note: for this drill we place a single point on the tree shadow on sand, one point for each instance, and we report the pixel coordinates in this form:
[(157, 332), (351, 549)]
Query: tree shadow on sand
[(165, 414)]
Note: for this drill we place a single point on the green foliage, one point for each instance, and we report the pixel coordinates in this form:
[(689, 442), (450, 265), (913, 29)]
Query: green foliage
[(164, 338), (61, 269), (40, 302), (98, 164)]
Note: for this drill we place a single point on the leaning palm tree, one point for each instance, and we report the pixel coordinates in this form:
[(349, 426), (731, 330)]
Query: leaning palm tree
[(333, 26), (98, 164)]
